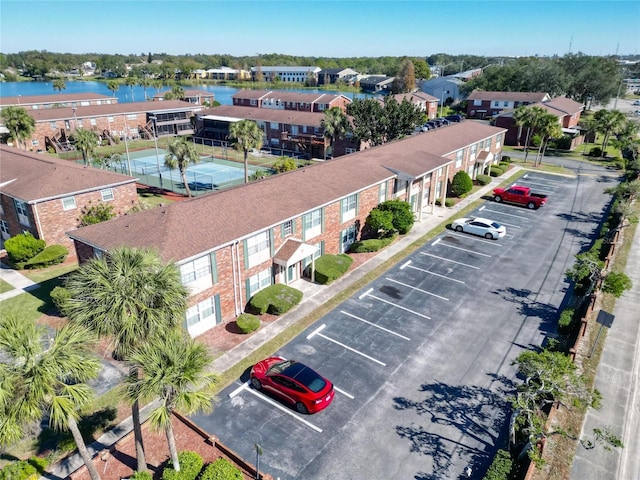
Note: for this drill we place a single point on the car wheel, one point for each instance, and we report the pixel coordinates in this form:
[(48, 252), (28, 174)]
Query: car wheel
[(255, 383), (301, 408), (459, 228), (497, 198), (531, 205), (488, 236)]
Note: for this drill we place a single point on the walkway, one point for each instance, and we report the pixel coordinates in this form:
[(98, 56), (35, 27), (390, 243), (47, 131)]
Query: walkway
[(20, 283)]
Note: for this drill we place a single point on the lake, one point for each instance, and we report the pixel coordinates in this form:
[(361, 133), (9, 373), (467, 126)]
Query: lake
[(126, 94)]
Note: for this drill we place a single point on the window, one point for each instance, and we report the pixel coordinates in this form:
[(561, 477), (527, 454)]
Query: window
[(382, 193), (274, 125), (35, 142), (439, 172), (4, 228), (472, 152), (347, 237), (259, 281), (350, 150), (201, 312), (348, 207), (23, 213), (107, 194), (459, 157), (498, 140), (53, 125), (258, 249), (496, 103), (69, 203), (313, 224), (195, 270), (505, 104), (477, 103), (487, 144), (287, 228)]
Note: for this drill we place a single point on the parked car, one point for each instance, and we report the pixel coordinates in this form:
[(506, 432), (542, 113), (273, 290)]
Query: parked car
[(294, 383), (455, 118), (480, 226), (431, 124), (444, 121), (421, 128), (637, 102), (520, 195)]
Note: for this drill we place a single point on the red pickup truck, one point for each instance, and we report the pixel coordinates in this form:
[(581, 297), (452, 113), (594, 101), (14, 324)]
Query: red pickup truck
[(520, 195)]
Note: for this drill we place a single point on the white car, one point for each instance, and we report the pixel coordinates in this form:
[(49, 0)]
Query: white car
[(637, 102), (480, 226)]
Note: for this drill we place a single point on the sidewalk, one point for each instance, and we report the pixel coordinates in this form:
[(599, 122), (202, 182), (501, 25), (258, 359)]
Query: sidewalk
[(20, 283), (314, 296)]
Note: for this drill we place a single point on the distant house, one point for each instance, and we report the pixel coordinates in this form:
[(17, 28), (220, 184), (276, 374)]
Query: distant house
[(566, 110), (287, 74), (287, 100), (330, 76), (489, 104), (226, 73), (377, 83), (426, 102), (445, 89), (197, 97), (44, 195)]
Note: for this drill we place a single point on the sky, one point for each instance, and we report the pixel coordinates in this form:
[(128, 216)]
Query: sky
[(318, 28)]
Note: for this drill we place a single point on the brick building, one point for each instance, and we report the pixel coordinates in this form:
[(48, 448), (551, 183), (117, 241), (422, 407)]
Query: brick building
[(427, 103), (45, 196), (489, 104), (232, 243), (287, 100), (40, 102)]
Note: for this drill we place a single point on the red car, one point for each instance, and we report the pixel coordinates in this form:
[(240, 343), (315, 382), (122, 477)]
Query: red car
[(293, 382)]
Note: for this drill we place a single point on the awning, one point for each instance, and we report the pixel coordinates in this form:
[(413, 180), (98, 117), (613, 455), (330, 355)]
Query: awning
[(484, 157), (292, 252), (571, 131)]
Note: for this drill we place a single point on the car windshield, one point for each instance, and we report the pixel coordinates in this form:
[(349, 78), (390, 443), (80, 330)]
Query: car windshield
[(495, 225), (305, 376)]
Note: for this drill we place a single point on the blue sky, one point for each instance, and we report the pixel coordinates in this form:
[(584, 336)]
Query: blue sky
[(322, 28)]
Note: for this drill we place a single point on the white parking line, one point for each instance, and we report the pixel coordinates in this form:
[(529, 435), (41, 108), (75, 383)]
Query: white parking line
[(348, 395), (400, 307), (449, 260), (321, 327), (508, 214), (476, 238), (431, 273), (374, 325), (466, 250), (284, 409), (239, 389), (418, 289), (365, 294)]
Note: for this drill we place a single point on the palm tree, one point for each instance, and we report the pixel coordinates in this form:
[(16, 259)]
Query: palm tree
[(608, 122), (86, 141), (174, 368), (178, 92), (181, 154), (246, 135), (59, 85), (113, 86), (548, 128), (535, 115), (521, 117), (19, 123), (335, 124), (130, 82), (129, 295), (42, 375), (145, 83)]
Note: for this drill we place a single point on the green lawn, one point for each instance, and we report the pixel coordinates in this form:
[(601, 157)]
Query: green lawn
[(5, 287)]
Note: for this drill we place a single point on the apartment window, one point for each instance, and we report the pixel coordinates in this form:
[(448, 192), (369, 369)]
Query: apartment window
[(487, 144), (472, 153), (258, 249), (195, 270), (23, 213), (107, 194), (477, 103), (348, 207), (459, 157), (505, 104), (287, 228), (347, 237), (201, 312), (79, 123), (498, 140), (69, 203), (313, 224), (439, 172), (4, 228), (496, 103), (350, 150), (259, 281), (53, 125), (110, 119), (382, 192), (92, 121), (35, 142), (274, 125)]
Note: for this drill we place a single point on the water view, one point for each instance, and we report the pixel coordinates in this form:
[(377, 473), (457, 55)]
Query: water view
[(126, 94)]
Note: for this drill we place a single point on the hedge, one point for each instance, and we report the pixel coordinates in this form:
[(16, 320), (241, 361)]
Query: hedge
[(145, 475), (449, 202), (483, 179), (23, 247), (51, 255), (20, 470), (60, 295), (565, 322), (276, 300), (495, 171), (190, 465), (501, 466), (461, 184), (248, 323), (331, 267), (221, 469), (372, 245)]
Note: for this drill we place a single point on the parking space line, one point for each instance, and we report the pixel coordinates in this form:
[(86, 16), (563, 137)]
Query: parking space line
[(407, 264), (321, 327), (400, 307), (467, 250), (348, 395), (284, 409), (418, 289), (449, 260), (374, 325), (477, 239), (239, 389), (524, 217)]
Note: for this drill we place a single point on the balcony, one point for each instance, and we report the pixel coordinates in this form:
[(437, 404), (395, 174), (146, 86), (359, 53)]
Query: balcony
[(303, 138)]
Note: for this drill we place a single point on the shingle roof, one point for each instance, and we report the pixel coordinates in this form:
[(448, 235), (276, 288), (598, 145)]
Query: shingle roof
[(566, 105), (33, 177), (291, 117), (287, 96), (62, 113), (185, 229), (53, 98), (187, 93), (413, 96), (530, 97)]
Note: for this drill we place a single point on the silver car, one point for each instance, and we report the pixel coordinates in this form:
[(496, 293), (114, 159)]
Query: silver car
[(480, 226)]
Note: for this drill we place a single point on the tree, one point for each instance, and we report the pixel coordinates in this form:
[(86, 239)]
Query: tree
[(548, 128), (114, 86), (145, 83), (174, 368), (19, 123), (131, 82), (461, 184), (246, 135), (521, 117), (59, 85), (531, 121), (129, 295), (178, 92), (181, 154), (405, 78), (335, 124), (86, 141), (608, 122), (40, 375), (421, 70)]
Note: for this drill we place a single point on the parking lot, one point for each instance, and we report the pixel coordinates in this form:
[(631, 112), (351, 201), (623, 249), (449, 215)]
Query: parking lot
[(421, 358)]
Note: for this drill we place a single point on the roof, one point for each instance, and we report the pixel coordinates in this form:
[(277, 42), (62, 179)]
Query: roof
[(54, 98), (187, 93), (31, 177), (290, 117), (288, 96), (565, 105), (182, 230), (285, 69), (440, 81), (50, 114), (414, 97), (531, 97)]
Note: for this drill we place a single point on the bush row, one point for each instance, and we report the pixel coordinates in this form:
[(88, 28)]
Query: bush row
[(26, 251), (275, 299), (191, 465)]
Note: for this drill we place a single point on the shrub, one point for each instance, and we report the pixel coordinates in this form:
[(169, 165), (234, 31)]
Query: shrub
[(565, 322), (92, 214), (23, 247), (402, 214), (372, 245), (616, 283), (51, 255), (483, 179), (248, 323), (190, 466), (275, 299), (380, 221), (20, 470), (461, 184), (506, 159), (563, 143), (449, 202), (501, 466), (331, 267), (495, 171), (59, 296), (595, 152), (221, 469), (146, 475)]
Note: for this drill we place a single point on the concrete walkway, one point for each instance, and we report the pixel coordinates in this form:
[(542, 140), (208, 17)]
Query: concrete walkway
[(20, 283)]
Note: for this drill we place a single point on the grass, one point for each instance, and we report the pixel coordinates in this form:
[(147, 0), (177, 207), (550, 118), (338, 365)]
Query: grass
[(5, 287)]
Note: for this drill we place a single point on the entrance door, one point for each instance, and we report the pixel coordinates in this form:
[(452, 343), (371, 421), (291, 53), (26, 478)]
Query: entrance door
[(292, 272)]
